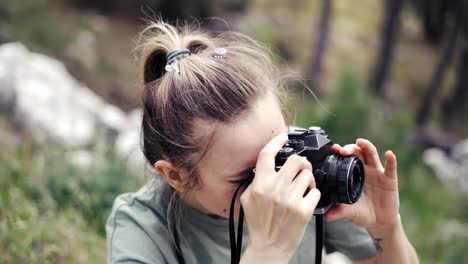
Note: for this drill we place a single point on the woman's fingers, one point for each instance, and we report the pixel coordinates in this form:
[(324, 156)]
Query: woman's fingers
[(304, 180), (266, 158), (353, 149), (310, 201), (370, 153), (336, 148), (291, 168), (390, 165)]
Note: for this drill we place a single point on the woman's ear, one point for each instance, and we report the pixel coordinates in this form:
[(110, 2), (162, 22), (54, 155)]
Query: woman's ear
[(172, 175)]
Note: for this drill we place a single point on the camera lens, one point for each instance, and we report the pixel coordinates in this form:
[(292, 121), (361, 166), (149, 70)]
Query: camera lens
[(356, 182), (345, 178)]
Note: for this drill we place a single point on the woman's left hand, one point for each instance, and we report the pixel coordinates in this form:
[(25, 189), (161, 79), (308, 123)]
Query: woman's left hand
[(378, 207)]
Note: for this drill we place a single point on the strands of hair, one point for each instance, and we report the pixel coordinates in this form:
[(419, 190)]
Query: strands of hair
[(207, 89)]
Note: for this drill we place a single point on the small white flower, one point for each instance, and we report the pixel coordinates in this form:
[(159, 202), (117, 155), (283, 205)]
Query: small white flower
[(173, 66), (220, 53)]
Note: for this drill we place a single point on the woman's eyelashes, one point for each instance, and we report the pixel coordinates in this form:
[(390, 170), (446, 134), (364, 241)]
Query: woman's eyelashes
[(245, 177), (239, 181)]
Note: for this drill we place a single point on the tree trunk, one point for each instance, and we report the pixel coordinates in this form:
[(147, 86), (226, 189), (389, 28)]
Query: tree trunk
[(434, 20), (323, 27), (456, 102), (388, 40), (445, 58)]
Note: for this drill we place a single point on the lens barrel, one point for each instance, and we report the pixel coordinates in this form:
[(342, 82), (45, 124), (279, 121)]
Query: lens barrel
[(344, 180)]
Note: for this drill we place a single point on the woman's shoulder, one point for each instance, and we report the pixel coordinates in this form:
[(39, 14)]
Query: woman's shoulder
[(146, 207), (137, 225)]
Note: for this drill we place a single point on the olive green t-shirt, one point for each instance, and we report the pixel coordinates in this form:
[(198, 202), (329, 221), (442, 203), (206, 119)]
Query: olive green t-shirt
[(137, 232)]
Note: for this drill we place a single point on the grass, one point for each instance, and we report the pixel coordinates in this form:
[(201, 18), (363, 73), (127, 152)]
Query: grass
[(52, 212)]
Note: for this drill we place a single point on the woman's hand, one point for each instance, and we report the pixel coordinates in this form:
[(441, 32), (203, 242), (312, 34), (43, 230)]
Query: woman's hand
[(276, 210), (378, 207)]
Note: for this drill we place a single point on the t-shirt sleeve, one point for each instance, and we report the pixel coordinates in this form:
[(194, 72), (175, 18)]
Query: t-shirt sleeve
[(353, 241), (127, 241)]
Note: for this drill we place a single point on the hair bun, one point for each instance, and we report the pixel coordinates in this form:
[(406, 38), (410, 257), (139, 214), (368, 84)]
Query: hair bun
[(196, 46), (154, 66)]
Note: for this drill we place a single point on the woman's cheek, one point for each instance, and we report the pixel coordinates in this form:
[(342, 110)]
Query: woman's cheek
[(229, 192)]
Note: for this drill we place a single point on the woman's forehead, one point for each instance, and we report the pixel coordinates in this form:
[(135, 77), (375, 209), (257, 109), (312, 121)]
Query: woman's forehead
[(235, 146)]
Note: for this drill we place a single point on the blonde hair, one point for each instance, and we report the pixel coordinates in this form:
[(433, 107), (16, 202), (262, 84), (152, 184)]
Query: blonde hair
[(210, 88)]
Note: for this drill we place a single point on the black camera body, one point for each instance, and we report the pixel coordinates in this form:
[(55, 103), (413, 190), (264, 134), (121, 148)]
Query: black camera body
[(340, 179)]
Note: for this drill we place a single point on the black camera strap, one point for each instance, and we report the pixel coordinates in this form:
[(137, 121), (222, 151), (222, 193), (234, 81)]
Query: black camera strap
[(236, 246), (319, 235)]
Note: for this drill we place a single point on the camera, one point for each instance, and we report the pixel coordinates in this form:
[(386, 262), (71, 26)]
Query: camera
[(340, 179)]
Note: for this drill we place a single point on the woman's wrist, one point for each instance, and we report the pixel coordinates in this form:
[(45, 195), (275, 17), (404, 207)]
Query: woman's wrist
[(383, 231), (389, 237), (392, 244), (255, 255)]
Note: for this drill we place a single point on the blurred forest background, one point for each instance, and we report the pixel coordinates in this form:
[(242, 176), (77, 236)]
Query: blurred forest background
[(392, 71)]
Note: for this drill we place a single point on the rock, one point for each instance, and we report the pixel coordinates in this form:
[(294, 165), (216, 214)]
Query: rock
[(450, 167), (50, 102), (83, 49), (43, 98), (7, 92), (128, 146)]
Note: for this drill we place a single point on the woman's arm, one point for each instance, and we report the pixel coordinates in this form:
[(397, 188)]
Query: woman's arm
[(393, 245), (378, 208)]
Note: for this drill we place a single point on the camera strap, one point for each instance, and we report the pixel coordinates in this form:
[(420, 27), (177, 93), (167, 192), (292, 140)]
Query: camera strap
[(236, 245), (319, 235)]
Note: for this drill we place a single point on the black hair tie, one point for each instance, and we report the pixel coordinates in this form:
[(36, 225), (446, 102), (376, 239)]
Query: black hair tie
[(173, 57), (176, 54)]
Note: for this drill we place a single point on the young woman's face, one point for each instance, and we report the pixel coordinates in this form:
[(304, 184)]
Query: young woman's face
[(232, 156)]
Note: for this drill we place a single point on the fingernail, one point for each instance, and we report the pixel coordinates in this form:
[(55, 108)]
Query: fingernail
[(317, 192)]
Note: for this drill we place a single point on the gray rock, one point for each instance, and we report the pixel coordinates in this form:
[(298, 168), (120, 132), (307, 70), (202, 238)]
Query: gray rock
[(451, 168), (41, 96), (7, 91), (83, 49), (128, 147), (50, 102)]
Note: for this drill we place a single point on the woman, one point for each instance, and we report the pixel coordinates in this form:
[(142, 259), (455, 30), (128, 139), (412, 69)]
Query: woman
[(213, 113)]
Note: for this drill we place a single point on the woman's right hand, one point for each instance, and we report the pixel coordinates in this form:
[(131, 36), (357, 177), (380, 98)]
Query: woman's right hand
[(276, 210)]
